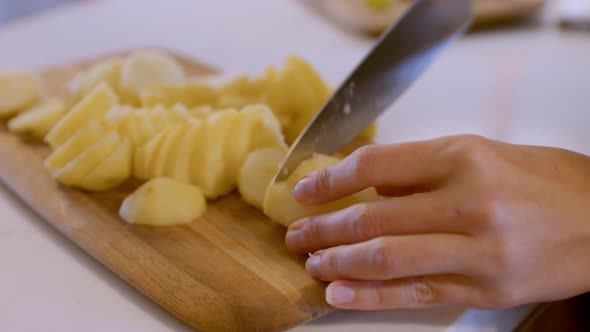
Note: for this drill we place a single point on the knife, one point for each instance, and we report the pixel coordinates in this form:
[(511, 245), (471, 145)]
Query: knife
[(400, 56)]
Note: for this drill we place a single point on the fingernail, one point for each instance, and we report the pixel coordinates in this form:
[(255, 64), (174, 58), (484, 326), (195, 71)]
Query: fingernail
[(302, 188), (336, 295), (313, 265)]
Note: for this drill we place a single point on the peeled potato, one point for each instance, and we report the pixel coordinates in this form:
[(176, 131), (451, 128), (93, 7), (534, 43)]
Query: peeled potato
[(179, 164), (75, 145), (215, 179), (38, 120), (171, 139), (18, 90), (145, 68), (94, 106), (256, 174), (111, 172), (74, 172), (146, 156), (163, 202), (280, 205), (108, 72), (190, 94)]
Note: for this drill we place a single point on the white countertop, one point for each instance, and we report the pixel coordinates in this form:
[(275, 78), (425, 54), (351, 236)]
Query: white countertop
[(526, 86)]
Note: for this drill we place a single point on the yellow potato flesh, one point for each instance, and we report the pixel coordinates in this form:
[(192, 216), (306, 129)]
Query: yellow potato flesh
[(76, 170), (146, 156), (215, 180), (256, 174), (75, 145), (171, 140), (111, 172), (92, 107), (145, 68), (38, 120), (163, 202), (179, 167), (280, 205), (18, 90), (108, 71)]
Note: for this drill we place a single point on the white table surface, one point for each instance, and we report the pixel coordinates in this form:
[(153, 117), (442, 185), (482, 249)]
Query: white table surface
[(525, 86)]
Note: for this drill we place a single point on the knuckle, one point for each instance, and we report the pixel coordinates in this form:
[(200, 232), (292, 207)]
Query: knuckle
[(312, 229), (468, 151), (383, 258), (366, 224), (362, 160), (422, 293), (322, 180)]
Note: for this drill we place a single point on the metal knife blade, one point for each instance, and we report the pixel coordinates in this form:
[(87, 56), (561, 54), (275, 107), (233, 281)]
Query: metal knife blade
[(400, 56)]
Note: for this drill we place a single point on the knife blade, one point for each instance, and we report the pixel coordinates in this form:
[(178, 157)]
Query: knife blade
[(400, 56)]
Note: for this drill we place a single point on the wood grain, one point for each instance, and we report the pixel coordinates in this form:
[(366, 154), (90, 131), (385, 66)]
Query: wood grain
[(227, 271)]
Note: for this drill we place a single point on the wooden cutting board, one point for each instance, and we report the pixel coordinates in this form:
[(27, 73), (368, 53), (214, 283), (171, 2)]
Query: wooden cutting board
[(227, 271)]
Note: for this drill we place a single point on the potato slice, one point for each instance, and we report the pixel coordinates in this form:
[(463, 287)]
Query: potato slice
[(145, 68), (213, 178), (200, 112), (111, 172), (76, 170), (280, 205), (18, 90), (256, 128), (256, 174), (75, 145), (38, 120), (190, 94), (93, 106), (108, 71), (146, 156), (179, 163), (163, 202), (170, 140)]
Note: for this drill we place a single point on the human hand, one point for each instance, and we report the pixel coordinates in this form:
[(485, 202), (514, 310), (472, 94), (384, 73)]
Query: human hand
[(470, 221)]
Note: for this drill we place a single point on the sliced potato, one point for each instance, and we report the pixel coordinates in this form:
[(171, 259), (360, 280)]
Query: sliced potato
[(163, 202), (256, 174), (18, 91), (200, 112), (171, 139), (190, 94), (111, 172), (38, 120), (280, 205), (179, 163), (75, 145), (146, 156), (214, 179), (76, 170), (93, 106), (108, 71), (145, 68)]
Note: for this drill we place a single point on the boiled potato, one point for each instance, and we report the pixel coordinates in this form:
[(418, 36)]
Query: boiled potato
[(145, 68), (179, 164), (163, 202), (280, 205), (165, 155), (94, 106), (256, 174), (200, 112), (38, 120), (111, 172), (74, 172), (108, 71), (146, 156), (190, 94), (75, 145), (18, 90), (216, 178)]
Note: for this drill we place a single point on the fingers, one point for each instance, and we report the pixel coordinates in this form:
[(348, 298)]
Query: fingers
[(409, 293), (401, 165), (397, 257), (418, 214)]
